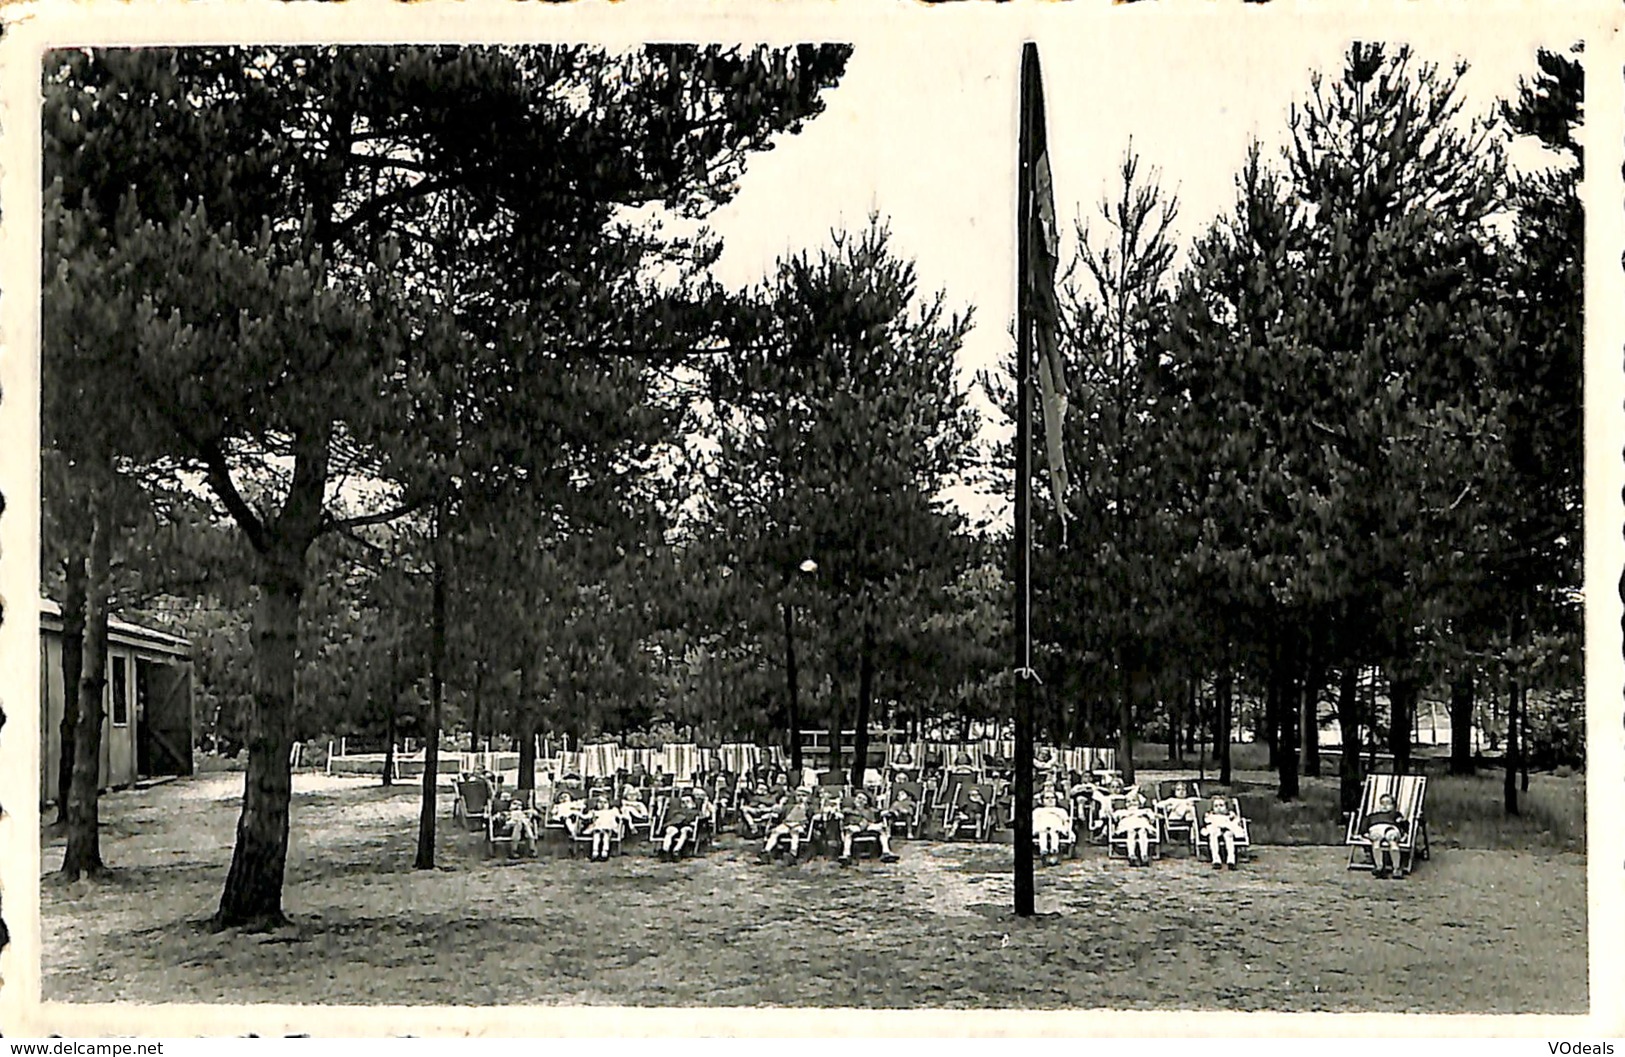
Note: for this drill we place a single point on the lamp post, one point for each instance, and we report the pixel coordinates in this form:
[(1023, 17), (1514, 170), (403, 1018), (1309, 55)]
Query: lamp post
[(793, 713)]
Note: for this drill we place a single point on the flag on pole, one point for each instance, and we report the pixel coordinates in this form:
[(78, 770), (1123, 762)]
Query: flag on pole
[(1038, 277)]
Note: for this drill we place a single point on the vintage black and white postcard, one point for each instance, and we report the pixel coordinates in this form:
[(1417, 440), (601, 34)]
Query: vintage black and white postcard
[(782, 518)]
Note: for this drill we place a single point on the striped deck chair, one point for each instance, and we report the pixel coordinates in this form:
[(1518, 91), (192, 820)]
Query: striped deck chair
[(741, 757), (681, 761), (906, 756), (644, 758), (1409, 792), (600, 761)]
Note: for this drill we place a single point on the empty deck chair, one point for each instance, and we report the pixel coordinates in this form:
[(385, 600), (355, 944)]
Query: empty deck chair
[(1409, 792), (473, 803), (681, 761)]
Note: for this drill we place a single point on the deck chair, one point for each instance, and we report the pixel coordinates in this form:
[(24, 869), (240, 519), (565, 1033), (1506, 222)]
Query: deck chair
[(1069, 837), (866, 842), (824, 823), (977, 821), (1117, 839), (1199, 841), (1100, 814), (555, 822), (659, 801), (1179, 830), (914, 810), (950, 788), (705, 830), (498, 834), (1409, 791), (473, 803)]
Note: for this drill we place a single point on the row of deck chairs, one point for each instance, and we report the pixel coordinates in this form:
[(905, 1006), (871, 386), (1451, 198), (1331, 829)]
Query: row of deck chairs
[(959, 807), (481, 804)]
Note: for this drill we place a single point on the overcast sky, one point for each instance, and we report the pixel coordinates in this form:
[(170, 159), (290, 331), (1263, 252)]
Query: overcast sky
[(934, 155)]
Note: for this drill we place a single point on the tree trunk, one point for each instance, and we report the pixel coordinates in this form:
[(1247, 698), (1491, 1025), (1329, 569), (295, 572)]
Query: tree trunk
[(1125, 738), (1461, 723), (1509, 787), (83, 856), (1175, 742), (1523, 737), (1349, 780), (1223, 736), (252, 898), (389, 741), (793, 715), (835, 717), (1309, 730), (474, 708), (525, 732), (1285, 688), (73, 657), (1272, 722), (431, 737), (392, 702), (1403, 691), (1193, 715), (1371, 722), (866, 689), (1125, 716)]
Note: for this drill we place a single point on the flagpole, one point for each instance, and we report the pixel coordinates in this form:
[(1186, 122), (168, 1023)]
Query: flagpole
[(1024, 480)]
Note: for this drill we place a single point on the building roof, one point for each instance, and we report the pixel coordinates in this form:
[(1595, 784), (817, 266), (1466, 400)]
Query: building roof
[(121, 632)]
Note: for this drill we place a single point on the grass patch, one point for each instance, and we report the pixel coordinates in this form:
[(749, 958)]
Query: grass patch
[(1291, 931)]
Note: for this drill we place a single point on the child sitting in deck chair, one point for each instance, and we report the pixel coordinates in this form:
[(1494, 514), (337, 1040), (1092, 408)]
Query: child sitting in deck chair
[(1383, 828), (759, 806), (862, 818), (1105, 790), (634, 812), (791, 824), (1222, 823), (903, 808), (1051, 822), (969, 810), (1136, 822), (515, 824), (1181, 806), (604, 827), (681, 824), (567, 810)]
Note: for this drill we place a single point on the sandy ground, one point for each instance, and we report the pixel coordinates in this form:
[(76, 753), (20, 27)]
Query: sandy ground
[(1471, 931)]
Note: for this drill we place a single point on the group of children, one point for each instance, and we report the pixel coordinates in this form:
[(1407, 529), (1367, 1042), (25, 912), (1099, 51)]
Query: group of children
[(794, 817), (1127, 814), (769, 809)]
